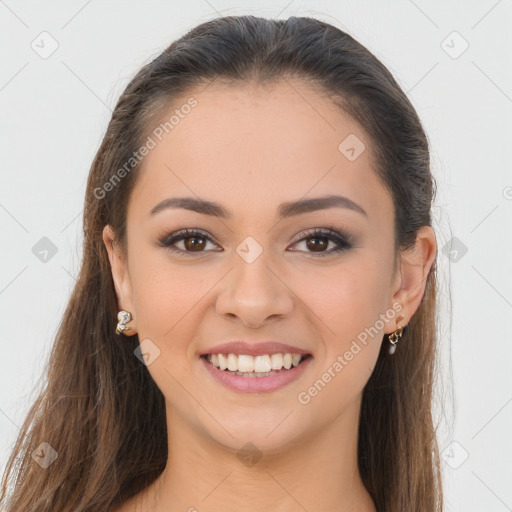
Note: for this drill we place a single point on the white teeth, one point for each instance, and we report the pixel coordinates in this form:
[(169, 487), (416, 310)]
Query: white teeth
[(257, 366), (276, 361), (261, 364), (232, 363), (223, 361), (245, 363)]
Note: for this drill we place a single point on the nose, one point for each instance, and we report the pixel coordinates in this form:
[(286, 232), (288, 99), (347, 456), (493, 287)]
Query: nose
[(254, 293)]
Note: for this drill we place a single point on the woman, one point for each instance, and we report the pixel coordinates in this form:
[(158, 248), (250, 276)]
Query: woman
[(253, 326)]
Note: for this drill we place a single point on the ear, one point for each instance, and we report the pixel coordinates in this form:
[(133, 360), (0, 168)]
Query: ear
[(120, 276), (414, 266)]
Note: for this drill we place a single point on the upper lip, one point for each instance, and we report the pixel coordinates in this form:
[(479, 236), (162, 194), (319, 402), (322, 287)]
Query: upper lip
[(254, 349)]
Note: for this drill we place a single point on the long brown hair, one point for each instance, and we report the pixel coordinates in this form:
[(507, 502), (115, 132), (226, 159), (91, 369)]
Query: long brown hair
[(101, 411)]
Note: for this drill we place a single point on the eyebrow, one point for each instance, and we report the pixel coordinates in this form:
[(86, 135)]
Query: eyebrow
[(285, 210)]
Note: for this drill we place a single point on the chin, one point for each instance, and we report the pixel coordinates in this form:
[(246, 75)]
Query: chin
[(266, 433)]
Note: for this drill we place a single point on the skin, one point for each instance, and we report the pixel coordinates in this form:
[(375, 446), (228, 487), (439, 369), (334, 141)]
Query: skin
[(250, 149)]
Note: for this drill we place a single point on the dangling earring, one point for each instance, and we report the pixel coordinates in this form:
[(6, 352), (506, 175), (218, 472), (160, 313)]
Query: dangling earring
[(396, 335), (123, 318)]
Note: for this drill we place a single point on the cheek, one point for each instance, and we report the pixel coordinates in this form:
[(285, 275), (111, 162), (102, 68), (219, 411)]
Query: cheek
[(346, 298), (348, 301), (161, 292), (349, 307), (164, 296), (169, 308)]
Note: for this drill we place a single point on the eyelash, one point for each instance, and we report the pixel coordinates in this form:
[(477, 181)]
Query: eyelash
[(343, 241)]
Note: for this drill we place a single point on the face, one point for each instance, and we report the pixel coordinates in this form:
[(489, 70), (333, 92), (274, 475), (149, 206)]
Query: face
[(314, 278)]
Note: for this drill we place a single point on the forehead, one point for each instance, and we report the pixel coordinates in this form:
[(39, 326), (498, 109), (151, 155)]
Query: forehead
[(248, 145)]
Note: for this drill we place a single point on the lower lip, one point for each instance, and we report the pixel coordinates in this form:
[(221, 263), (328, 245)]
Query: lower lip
[(256, 384)]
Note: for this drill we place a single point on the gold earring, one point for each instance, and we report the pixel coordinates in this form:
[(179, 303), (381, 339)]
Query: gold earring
[(396, 335), (123, 318)]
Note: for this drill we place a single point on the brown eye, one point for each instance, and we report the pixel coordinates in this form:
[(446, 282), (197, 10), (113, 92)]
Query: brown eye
[(189, 240), (194, 243), (317, 244)]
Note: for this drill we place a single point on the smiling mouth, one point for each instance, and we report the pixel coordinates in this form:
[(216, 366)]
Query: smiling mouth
[(255, 366)]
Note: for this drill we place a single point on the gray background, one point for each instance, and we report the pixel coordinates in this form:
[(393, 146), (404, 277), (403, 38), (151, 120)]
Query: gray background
[(54, 111)]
